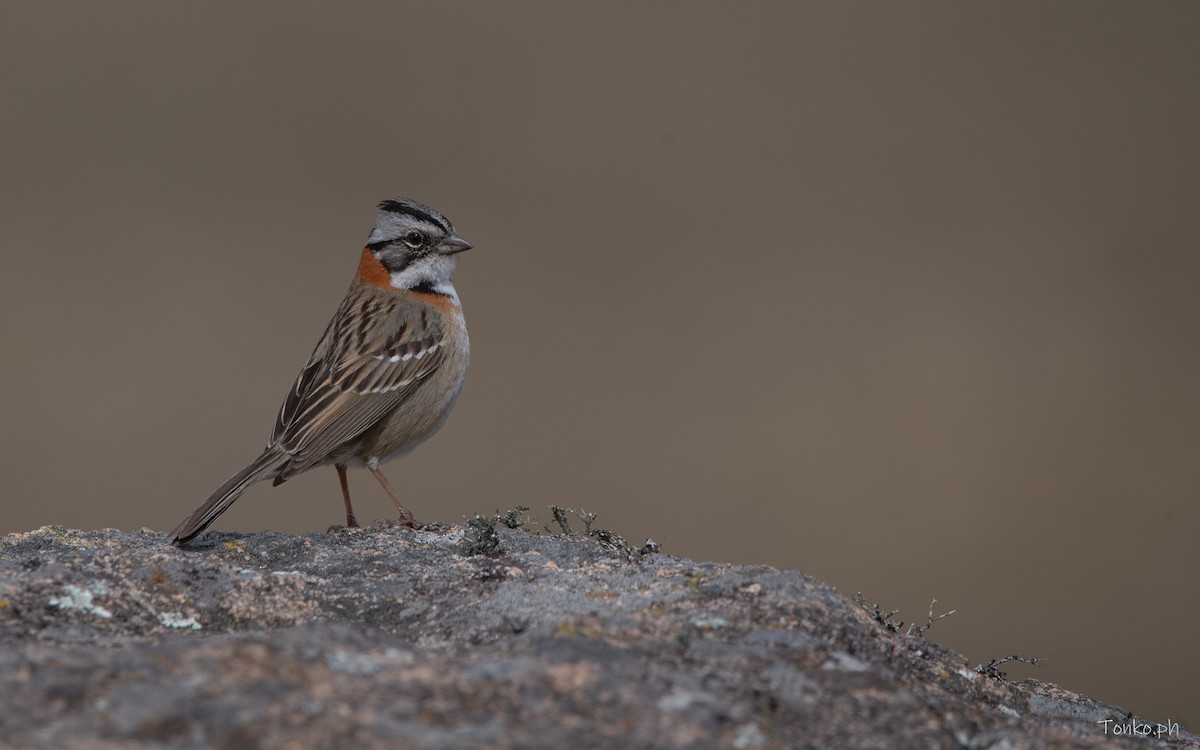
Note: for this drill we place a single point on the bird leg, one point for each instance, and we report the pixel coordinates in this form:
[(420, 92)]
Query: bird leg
[(351, 521), (406, 516)]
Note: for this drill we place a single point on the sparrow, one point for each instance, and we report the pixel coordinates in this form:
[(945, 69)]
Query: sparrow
[(384, 376)]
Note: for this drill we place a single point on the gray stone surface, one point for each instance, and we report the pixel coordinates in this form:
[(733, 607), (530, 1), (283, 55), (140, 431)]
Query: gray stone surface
[(387, 638)]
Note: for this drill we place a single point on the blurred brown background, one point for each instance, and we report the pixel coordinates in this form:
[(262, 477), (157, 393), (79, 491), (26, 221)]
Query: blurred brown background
[(902, 295)]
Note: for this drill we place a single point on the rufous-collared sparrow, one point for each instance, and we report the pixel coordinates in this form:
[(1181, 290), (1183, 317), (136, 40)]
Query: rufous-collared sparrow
[(385, 374)]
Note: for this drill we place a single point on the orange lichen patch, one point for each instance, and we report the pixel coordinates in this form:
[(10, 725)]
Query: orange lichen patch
[(372, 272)]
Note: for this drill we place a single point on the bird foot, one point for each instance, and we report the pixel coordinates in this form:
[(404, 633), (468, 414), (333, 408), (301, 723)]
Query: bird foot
[(407, 521)]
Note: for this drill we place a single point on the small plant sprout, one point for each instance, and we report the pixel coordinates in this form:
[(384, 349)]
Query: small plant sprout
[(992, 668), (919, 630)]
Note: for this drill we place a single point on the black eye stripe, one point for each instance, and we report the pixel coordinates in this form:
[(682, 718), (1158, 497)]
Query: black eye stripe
[(402, 239)]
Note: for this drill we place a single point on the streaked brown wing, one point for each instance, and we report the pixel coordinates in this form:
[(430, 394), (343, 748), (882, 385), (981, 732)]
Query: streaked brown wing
[(371, 358), (315, 371), (336, 415)]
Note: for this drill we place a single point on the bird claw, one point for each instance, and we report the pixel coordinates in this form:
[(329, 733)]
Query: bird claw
[(406, 521)]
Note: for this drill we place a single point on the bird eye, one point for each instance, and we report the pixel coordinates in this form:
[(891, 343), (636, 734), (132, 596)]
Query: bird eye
[(414, 238)]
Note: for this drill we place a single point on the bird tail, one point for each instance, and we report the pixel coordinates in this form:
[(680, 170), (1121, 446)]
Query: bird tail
[(219, 501)]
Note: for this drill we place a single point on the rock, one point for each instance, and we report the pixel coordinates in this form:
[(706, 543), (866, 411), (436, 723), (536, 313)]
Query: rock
[(390, 638)]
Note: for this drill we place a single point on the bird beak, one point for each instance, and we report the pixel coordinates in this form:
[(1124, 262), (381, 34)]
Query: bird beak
[(453, 244)]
